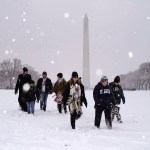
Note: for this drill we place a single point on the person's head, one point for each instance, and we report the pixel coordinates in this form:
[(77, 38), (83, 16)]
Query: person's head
[(25, 70), (74, 76), (59, 75), (117, 80), (104, 81), (44, 74)]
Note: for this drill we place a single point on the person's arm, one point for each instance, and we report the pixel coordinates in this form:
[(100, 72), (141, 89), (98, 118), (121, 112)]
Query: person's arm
[(122, 95), (96, 95), (50, 87), (83, 98), (66, 93), (17, 85)]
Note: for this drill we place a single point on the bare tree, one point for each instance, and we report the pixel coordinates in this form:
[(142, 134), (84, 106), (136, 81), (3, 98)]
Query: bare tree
[(10, 70)]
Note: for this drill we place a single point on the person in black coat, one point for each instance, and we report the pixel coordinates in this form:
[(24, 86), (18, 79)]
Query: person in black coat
[(104, 100), (44, 87), (29, 97), (73, 96), (118, 95), (22, 80)]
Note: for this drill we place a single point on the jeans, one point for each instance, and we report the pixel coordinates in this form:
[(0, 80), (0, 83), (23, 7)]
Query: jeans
[(30, 107), (43, 100)]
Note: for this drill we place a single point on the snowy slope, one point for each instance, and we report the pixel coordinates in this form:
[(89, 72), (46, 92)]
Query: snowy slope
[(52, 131)]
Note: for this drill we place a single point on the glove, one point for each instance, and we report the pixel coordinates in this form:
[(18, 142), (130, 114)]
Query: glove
[(15, 92), (85, 103), (111, 105), (123, 101), (50, 92), (37, 101)]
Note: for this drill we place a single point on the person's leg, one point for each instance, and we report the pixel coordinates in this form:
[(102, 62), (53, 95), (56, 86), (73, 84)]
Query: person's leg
[(28, 107), (32, 107), (98, 115), (72, 119), (41, 100), (59, 108), (108, 119), (45, 101)]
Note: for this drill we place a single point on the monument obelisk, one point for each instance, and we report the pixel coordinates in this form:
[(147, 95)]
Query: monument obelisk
[(86, 62)]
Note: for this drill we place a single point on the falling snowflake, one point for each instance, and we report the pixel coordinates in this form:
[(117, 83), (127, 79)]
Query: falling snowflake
[(6, 17), (31, 39), (26, 87), (24, 20), (148, 17), (130, 54), (6, 52), (28, 31), (4, 112), (24, 13), (58, 52), (66, 15), (13, 78), (99, 72), (13, 40), (143, 137), (52, 62)]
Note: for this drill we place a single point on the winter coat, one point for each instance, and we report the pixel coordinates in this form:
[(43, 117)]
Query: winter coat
[(30, 95), (22, 79), (103, 95), (48, 85), (117, 92), (59, 86), (67, 92)]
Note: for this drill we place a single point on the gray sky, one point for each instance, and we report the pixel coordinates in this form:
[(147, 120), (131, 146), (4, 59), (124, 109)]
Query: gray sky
[(47, 34)]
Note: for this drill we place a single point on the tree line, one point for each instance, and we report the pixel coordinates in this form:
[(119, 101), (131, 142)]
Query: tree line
[(138, 79), (9, 71)]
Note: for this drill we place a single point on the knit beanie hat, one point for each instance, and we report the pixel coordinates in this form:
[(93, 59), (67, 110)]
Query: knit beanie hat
[(104, 79), (117, 79), (74, 74), (60, 75)]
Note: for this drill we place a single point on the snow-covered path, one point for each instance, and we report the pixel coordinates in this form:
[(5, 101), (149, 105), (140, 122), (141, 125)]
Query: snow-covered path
[(52, 131)]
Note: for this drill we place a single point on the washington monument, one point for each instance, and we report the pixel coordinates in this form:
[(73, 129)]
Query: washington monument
[(86, 63)]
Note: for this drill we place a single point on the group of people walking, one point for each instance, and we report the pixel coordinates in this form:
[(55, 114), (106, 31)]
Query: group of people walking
[(107, 97)]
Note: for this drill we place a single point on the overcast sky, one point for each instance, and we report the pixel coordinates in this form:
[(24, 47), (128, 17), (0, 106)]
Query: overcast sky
[(48, 35)]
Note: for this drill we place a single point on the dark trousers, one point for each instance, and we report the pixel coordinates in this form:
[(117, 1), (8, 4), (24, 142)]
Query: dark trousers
[(59, 106), (98, 114), (22, 104), (73, 117)]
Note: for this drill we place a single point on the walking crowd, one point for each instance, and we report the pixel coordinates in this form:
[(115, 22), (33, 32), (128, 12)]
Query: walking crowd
[(70, 96)]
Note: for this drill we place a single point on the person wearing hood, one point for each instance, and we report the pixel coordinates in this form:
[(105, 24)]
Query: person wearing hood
[(104, 101), (58, 89), (118, 95)]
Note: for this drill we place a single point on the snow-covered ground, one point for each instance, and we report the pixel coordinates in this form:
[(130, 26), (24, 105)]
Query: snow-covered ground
[(52, 131)]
